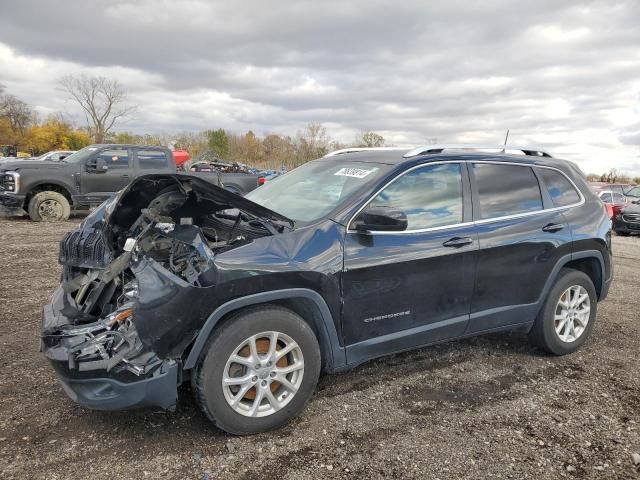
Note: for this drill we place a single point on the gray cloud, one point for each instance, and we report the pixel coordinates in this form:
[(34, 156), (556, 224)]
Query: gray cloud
[(562, 75)]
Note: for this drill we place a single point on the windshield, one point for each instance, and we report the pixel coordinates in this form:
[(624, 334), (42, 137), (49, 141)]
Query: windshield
[(312, 190), (80, 155), (633, 192)]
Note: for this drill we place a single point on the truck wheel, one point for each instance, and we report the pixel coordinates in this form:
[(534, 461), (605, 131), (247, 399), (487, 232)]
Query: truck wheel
[(258, 370), (49, 207), (568, 315)]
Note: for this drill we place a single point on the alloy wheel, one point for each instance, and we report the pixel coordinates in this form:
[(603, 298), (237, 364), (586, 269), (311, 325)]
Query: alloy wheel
[(572, 313), (263, 374)]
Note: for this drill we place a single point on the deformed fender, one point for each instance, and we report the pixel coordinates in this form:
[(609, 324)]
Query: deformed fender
[(338, 353)]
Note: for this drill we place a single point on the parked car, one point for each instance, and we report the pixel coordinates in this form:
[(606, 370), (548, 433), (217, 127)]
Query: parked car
[(620, 188), (627, 221), (360, 254), (613, 202), (633, 192), (48, 190), (54, 156)]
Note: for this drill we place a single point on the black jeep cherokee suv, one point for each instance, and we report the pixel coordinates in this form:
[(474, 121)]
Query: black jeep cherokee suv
[(356, 255)]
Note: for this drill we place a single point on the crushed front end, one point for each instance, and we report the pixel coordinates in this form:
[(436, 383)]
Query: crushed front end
[(137, 284)]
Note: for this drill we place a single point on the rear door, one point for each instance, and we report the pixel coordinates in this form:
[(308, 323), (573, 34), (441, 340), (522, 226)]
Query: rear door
[(403, 289), (153, 160), (521, 237)]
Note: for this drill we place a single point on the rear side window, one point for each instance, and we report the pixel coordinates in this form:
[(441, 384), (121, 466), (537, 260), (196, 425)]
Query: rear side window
[(430, 196), (618, 198), (152, 159), (115, 158), (606, 197), (506, 190), (560, 190)]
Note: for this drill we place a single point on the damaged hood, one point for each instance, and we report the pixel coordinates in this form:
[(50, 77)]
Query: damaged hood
[(206, 190)]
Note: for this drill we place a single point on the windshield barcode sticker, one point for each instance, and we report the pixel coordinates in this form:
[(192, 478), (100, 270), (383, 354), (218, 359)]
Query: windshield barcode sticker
[(353, 172)]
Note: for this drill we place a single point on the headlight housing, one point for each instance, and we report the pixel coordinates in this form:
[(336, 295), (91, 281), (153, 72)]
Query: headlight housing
[(10, 182)]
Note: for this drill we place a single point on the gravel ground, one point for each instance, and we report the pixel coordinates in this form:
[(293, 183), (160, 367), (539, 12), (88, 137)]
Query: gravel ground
[(489, 407)]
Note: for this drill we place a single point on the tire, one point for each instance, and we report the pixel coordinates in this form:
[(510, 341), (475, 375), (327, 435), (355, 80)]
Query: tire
[(49, 207), (623, 234), (544, 333), (215, 400)]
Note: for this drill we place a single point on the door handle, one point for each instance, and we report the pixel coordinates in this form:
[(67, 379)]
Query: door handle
[(124, 176), (552, 227), (458, 242)]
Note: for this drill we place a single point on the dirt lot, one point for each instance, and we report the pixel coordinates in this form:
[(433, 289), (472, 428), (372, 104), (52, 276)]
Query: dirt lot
[(481, 408)]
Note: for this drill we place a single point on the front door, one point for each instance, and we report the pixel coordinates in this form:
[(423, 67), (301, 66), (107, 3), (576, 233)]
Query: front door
[(97, 186), (403, 289)]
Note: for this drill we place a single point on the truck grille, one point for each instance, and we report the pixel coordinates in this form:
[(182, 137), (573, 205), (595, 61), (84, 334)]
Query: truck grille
[(84, 249), (631, 217)]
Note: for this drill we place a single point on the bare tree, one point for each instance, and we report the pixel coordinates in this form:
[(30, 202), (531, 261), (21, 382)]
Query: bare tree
[(311, 143), (103, 101), (371, 139), (16, 112)]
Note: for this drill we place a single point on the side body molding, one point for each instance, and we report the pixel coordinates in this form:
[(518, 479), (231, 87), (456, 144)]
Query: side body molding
[(328, 335)]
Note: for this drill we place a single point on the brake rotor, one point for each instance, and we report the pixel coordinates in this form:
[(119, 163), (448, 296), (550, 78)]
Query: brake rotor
[(262, 346)]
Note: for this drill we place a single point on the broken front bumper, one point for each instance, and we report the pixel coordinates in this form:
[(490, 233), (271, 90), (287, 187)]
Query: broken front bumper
[(102, 364), (105, 393)]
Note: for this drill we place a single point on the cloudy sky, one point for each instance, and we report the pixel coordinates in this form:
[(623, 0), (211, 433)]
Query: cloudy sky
[(562, 75)]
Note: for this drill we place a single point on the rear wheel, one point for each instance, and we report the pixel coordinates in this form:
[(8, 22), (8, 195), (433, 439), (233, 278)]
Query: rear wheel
[(568, 315), (259, 370), (49, 207)]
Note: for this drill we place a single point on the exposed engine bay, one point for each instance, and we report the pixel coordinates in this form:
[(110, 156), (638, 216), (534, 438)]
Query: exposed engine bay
[(161, 229)]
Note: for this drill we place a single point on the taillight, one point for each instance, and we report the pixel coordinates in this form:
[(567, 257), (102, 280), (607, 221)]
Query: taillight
[(608, 210), (261, 181)]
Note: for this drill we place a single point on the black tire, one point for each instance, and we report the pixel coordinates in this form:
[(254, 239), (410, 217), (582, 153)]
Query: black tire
[(543, 334), (206, 380), (49, 207), (623, 234)]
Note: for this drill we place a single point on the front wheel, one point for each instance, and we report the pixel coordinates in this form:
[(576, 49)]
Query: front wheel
[(568, 315), (49, 207), (259, 370)]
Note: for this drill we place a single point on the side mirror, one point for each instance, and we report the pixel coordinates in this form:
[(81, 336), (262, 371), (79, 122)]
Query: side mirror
[(381, 219), (97, 165)]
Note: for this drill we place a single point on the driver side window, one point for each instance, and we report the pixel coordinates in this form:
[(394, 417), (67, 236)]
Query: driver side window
[(430, 196), (116, 158)]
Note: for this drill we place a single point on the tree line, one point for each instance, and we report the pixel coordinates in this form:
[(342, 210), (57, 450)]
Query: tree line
[(105, 103)]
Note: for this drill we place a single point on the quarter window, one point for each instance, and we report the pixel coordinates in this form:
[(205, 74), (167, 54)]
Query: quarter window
[(152, 159), (506, 190), (116, 158), (429, 197), (560, 190), (606, 197)]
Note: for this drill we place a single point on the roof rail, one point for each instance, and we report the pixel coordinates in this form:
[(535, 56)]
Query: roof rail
[(425, 149), (362, 149)]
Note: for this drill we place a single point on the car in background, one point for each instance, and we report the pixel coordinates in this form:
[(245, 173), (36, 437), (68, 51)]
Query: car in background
[(54, 155), (628, 220), (621, 188), (633, 193), (613, 201)]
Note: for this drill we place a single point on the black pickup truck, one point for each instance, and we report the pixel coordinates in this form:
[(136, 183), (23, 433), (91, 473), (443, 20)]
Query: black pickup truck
[(48, 190)]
